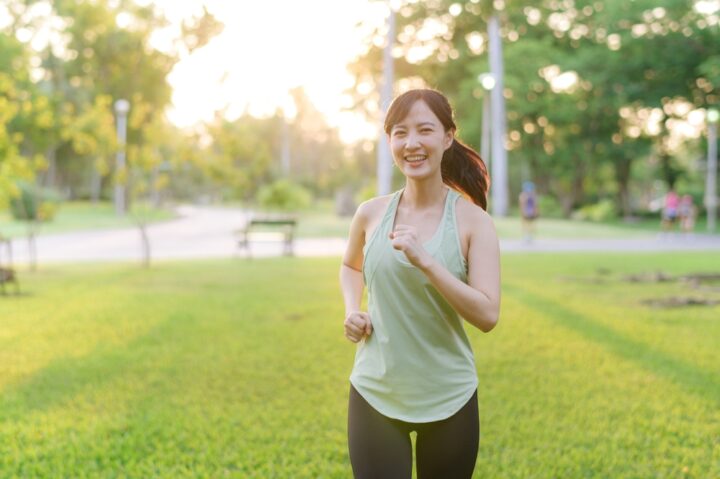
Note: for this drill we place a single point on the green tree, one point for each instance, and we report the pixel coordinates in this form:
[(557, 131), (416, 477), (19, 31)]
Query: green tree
[(571, 68)]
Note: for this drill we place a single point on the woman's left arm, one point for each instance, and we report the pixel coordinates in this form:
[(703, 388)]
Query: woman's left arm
[(478, 301)]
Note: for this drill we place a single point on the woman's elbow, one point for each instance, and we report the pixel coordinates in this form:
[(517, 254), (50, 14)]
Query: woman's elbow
[(487, 322)]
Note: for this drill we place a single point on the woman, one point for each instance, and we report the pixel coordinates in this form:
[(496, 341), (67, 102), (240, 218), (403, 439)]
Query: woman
[(428, 256)]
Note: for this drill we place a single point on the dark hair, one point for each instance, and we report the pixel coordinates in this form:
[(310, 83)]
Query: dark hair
[(461, 167)]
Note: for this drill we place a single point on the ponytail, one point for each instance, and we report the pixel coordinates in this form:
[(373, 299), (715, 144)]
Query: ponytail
[(463, 169)]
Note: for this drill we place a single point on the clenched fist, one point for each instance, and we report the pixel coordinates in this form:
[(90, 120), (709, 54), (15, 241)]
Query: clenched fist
[(405, 238), (357, 325)]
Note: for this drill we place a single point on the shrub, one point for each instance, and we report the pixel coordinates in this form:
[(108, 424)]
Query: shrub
[(603, 210), (284, 195), (34, 203), (549, 207)]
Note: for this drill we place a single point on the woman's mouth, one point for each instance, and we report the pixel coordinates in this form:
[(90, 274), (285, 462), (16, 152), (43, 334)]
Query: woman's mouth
[(415, 160)]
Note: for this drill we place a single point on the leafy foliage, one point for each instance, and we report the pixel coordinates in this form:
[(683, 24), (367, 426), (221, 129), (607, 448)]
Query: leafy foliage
[(284, 195), (591, 87), (34, 203)]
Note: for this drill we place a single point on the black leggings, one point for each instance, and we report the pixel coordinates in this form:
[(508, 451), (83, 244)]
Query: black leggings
[(380, 446)]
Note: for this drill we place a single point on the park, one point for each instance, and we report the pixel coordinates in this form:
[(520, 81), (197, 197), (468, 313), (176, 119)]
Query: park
[(170, 299)]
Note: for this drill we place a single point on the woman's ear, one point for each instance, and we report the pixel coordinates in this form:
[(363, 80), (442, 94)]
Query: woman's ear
[(449, 138)]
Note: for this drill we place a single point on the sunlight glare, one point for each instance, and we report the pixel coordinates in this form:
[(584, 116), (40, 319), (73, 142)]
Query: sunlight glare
[(266, 49)]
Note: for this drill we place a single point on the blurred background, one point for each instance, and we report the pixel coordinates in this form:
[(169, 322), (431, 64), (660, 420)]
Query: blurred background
[(115, 113), (195, 136)]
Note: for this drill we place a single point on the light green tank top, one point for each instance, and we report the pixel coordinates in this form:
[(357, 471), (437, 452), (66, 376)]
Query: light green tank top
[(417, 365)]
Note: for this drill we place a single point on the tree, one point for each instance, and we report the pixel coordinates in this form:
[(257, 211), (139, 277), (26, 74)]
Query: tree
[(571, 68)]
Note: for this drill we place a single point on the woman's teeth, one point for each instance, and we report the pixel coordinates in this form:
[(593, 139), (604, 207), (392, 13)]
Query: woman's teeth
[(414, 159)]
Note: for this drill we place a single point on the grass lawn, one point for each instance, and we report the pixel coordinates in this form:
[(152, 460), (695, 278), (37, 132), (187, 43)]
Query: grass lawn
[(80, 215), (239, 369)]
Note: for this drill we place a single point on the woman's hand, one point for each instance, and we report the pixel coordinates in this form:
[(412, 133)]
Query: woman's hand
[(357, 325), (405, 239)]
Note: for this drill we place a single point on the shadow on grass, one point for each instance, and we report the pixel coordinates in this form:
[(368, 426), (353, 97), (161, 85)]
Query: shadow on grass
[(64, 378), (691, 378)]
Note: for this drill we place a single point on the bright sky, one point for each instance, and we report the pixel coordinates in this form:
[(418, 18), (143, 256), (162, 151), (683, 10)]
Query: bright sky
[(267, 48)]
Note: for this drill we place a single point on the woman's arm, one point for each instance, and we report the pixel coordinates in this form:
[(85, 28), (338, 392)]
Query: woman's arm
[(357, 323), (478, 301)]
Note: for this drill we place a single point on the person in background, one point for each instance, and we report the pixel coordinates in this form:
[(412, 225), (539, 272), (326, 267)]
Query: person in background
[(687, 213), (430, 258), (670, 210), (529, 210)]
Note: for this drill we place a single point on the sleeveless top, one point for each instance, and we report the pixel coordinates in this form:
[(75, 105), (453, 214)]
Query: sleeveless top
[(417, 365)]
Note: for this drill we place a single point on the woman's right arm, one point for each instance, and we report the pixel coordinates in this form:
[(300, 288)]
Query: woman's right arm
[(357, 323)]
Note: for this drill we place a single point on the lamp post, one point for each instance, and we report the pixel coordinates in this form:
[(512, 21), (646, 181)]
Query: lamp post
[(487, 81), (121, 110), (711, 200), (500, 189)]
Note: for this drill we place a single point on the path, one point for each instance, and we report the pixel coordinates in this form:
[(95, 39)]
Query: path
[(204, 232)]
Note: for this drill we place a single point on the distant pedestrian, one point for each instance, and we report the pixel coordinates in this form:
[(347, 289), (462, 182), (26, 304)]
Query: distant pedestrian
[(430, 259), (687, 213), (529, 210), (670, 210)]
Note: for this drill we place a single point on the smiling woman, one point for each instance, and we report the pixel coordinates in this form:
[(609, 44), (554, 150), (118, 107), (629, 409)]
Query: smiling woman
[(430, 259), (265, 50)]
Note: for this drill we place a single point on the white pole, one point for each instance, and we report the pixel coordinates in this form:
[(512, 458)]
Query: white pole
[(711, 202), (499, 175), (485, 142), (384, 159)]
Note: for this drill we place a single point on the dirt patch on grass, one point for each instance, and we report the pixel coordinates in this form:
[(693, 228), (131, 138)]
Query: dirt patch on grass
[(706, 285), (679, 302)]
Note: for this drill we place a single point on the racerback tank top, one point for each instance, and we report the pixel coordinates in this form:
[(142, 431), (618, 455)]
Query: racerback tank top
[(417, 365)]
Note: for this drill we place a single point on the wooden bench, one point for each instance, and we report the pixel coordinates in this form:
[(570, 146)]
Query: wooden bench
[(283, 224)]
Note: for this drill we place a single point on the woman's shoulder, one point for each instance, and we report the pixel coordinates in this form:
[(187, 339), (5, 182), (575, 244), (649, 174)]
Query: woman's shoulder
[(470, 213), (374, 207)]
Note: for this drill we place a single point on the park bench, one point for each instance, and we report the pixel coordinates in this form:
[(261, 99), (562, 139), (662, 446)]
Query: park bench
[(274, 223)]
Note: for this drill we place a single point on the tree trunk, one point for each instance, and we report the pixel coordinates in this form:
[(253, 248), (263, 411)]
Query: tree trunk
[(145, 244), (32, 246), (623, 168), (51, 175), (669, 172), (95, 186)]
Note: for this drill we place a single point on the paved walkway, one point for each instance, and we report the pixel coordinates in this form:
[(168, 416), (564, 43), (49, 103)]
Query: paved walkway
[(202, 232)]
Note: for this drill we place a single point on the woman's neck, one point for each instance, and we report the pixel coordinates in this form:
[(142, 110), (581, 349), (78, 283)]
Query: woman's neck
[(420, 195)]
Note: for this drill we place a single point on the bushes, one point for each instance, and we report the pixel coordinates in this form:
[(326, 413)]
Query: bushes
[(34, 203), (603, 210), (284, 195)]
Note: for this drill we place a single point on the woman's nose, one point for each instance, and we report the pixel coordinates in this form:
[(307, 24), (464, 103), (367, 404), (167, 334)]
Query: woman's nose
[(411, 141)]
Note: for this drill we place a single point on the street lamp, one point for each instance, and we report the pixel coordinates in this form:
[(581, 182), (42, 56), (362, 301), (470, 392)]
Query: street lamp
[(121, 110), (500, 188), (487, 81), (711, 200)]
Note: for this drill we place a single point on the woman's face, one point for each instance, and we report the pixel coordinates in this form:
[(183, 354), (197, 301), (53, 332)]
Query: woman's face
[(418, 142)]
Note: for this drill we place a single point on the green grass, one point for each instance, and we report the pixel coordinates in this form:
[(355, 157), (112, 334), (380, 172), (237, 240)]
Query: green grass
[(239, 369), (80, 215)]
